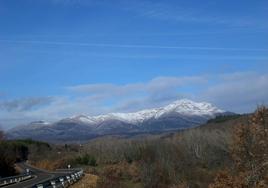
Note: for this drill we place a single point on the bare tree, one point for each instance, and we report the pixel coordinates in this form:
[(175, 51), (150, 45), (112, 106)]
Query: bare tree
[(2, 135)]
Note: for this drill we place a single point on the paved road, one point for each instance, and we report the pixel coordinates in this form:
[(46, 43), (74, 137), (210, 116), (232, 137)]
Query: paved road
[(39, 176)]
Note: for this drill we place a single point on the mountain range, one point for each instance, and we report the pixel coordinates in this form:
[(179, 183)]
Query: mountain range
[(180, 114)]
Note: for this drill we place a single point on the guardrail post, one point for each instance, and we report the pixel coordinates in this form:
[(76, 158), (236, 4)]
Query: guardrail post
[(14, 179), (40, 186), (68, 179), (53, 183), (73, 177), (62, 181)]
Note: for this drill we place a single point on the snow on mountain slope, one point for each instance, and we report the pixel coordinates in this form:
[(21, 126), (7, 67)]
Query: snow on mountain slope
[(183, 107), (189, 107), (181, 114)]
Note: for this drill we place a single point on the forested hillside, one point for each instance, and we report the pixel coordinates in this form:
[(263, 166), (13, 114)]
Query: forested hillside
[(226, 152)]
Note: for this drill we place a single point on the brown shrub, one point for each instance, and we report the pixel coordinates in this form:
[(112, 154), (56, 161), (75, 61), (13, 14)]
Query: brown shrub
[(250, 154), (111, 177), (88, 181), (117, 174)]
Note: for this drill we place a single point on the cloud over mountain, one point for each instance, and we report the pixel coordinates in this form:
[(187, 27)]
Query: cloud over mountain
[(25, 104), (237, 92), (179, 114)]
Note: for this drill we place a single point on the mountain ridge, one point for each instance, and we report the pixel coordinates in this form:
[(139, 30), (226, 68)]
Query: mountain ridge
[(190, 108), (180, 114)]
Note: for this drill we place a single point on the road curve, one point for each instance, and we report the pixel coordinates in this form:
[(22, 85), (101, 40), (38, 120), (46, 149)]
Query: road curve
[(39, 176)]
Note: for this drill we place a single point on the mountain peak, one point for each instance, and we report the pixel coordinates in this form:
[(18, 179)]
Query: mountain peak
[(189, 107), (182, 106), (184, 100), (180, 114), (190, 102)]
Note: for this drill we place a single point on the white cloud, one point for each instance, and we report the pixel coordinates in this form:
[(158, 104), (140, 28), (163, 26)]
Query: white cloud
[(25, 104), (237, 92), (154, 85)]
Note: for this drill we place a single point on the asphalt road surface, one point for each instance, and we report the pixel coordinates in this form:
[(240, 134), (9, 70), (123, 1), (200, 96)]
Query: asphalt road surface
[(39, 176)]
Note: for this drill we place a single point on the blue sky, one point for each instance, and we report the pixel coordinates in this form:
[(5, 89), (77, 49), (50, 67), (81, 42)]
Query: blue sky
[(65, 57)]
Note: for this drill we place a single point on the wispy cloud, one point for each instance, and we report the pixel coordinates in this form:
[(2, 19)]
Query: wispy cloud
[(75, 2), (145, 56), (179, 12), (239, 92), (106, 45), (155, 85), (174, 11), (154, 93), (25, 104)]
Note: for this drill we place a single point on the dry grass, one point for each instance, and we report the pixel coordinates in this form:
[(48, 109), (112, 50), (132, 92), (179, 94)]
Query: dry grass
[(88, 181)]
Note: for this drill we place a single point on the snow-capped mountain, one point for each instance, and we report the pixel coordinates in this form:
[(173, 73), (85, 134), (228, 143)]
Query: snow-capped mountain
[(180, 114), (184, 107)]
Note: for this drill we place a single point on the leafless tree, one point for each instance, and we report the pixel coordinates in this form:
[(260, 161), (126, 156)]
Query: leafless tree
[(2, 135)]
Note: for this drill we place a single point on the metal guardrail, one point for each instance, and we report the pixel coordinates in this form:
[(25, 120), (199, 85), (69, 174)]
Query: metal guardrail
[(61, 182), (14, 179)]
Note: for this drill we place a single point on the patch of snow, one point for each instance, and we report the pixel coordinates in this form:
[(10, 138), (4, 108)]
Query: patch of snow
[(184, 107)]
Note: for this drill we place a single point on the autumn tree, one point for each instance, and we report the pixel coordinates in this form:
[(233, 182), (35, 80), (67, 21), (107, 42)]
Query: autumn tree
[(250, 154)]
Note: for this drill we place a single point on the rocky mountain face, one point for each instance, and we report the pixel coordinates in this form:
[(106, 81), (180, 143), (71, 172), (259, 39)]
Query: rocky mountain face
[(180, 114)]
